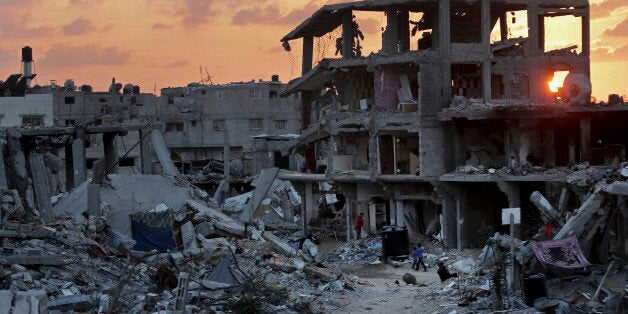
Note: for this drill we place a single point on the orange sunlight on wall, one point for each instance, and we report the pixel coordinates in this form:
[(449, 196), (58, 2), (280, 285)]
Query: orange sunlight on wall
[(557, 82)]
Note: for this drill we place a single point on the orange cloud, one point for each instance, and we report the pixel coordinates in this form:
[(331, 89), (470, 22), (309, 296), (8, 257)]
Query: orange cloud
[(176, 64), (271, 15), (195, 12), (606, 7), (79, 26), (62, 55), (619, 30), (604, 54)]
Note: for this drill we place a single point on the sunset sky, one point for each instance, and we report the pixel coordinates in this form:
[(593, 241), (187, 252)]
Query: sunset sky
[(161, 43)]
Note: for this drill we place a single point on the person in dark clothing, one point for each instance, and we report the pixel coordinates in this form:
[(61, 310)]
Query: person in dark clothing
[(443, 273), (418, 258)]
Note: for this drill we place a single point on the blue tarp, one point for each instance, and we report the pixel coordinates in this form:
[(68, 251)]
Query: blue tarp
[(152, 238)]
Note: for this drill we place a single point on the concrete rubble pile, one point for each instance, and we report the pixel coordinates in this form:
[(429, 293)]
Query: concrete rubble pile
[(152, 243)]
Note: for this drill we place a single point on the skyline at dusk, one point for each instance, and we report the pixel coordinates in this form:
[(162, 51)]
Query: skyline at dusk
[(157, 44)]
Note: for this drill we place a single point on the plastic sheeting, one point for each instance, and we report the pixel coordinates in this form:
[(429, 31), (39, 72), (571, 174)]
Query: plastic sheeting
[(152, 238)]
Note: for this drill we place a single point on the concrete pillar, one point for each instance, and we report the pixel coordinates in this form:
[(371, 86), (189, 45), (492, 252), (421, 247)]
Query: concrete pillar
[(41, 187), (347, 34), (226, 163), (486, 48), (69, 167), (308, 53), (449, 226), (98, 171), (146, 157), (4, 185), (503, 26), (78, 162), (572, 149), (585, 138), (93, 199), (373, 154), (111, 152), (391, 34), (541, 37), (549, 153), (533, 30), (399, 219), (444, 42), (586, 33), (404, 31), (309, 204)]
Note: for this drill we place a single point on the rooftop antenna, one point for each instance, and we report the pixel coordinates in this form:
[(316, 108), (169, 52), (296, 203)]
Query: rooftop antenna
[(206, 79)]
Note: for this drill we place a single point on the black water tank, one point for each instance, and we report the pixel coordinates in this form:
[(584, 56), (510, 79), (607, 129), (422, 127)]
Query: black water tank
[(27, 54), (274, 78), (86, 88), (395, 241), (136, 89), (534, 287)]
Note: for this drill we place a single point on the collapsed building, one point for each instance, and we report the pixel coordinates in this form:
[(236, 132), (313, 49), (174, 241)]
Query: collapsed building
[(456, 129)]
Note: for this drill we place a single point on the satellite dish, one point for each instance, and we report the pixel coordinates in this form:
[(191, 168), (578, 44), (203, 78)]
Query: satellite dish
[(577, 87), (69, 85)]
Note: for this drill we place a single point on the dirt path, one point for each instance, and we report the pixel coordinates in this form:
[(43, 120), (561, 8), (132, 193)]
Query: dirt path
[(377, 292)]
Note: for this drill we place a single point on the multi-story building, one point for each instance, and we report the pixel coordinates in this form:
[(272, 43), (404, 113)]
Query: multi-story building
[(457, 128), (199, 119), (120, 106)]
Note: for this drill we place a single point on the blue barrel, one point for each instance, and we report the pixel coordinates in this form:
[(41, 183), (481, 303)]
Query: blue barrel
[(395, 241)]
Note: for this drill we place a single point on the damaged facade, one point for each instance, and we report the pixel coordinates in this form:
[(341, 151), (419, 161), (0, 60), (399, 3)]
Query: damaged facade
[(250, 116), (457, 129)]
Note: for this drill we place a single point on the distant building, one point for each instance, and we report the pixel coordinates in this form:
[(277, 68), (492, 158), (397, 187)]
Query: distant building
[(82, 108), (197, 120), (26, 111)]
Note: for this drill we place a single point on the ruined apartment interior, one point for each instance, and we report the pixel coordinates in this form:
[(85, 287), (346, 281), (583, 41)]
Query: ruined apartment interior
[(455, 129)]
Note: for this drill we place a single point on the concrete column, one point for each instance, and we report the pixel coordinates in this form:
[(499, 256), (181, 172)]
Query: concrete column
[(444, 42), (486, 47), (461, 213), (503, 26), (69, 167), (41, 187), (373, 154), (572, 149), (391, 34), (586, 33), (541, 37), (4, 185), (585, 138), (93, 199), (308, 52), (98, 171), (111, 152), (309, 204), (449, 226), (78, 162), (347, 34), (399, 219), (226, 163), (146, 157), (533, 30), (404, 31)]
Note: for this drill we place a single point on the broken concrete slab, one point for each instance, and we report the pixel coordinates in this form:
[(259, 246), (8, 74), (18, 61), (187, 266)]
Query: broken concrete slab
[(26, 259), (31, 302), (160, 149), (74, 203), (6, 298), (281, 246), (223, 222), (324, 274), (76, 302), (549, 215), (188, 236), (41, 187), (214, 249), (578, 221), (264, 182)]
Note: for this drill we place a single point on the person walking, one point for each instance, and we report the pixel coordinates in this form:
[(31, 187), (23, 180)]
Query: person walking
[(359, 222), (418, 258)]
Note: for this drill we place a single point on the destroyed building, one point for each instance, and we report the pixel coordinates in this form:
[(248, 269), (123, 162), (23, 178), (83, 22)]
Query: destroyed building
[(250, 116), (459, 127)]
